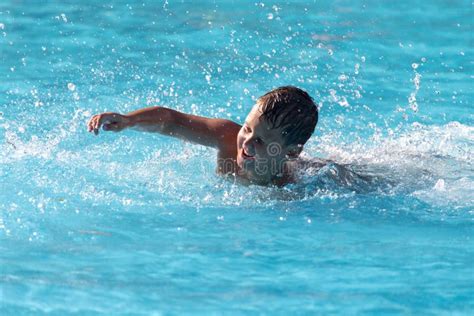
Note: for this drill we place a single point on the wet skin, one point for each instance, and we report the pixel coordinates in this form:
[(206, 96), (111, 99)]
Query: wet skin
[(254, 153)]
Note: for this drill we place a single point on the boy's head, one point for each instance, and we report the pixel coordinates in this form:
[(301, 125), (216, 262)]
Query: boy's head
[(292, 110), (275, 130)]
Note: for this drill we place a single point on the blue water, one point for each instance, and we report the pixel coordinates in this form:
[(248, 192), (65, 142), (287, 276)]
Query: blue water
[(136, 223)]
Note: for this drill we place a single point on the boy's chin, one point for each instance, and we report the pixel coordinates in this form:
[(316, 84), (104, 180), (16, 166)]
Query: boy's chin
[(245, 163), (248, 171)]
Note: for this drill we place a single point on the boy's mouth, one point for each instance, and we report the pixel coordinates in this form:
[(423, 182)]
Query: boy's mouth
[(246, 155)]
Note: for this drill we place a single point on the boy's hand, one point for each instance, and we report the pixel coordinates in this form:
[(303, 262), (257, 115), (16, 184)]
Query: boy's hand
[(109, 121)]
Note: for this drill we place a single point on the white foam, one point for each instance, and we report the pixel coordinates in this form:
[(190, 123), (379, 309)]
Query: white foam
[(424, 160)]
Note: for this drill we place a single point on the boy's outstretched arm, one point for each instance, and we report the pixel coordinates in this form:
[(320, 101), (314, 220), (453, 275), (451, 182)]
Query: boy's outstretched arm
[(217, 133)]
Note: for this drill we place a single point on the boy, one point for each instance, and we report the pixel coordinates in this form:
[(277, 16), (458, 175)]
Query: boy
[(263, 151)]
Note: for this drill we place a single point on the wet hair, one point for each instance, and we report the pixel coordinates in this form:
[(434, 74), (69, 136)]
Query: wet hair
[(291, 109)]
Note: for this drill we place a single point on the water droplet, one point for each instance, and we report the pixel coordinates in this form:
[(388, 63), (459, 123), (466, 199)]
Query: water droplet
[(417, 81), (414, 65), (71, 86), (343, 102), (440, 186), (342, 77), (270, 16)]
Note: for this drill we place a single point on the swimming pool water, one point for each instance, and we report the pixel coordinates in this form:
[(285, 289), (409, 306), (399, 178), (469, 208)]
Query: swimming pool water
[(136, 223)]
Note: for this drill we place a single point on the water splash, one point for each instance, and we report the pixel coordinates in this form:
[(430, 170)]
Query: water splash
[(423, 161), (412, 102)]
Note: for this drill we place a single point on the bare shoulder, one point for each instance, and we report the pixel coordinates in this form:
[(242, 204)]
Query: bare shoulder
[(227, 146), (225, 126), (211, 132), (227, 131)]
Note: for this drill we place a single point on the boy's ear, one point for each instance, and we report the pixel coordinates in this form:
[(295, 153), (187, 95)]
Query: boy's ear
[(294, 151)]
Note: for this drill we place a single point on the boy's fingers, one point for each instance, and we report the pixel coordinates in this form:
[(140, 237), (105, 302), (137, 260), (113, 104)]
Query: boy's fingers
[(89, 125), (106, 121), (96, 124)]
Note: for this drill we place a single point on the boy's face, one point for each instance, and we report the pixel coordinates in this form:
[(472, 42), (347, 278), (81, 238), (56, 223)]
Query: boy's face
[(261, 150)]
